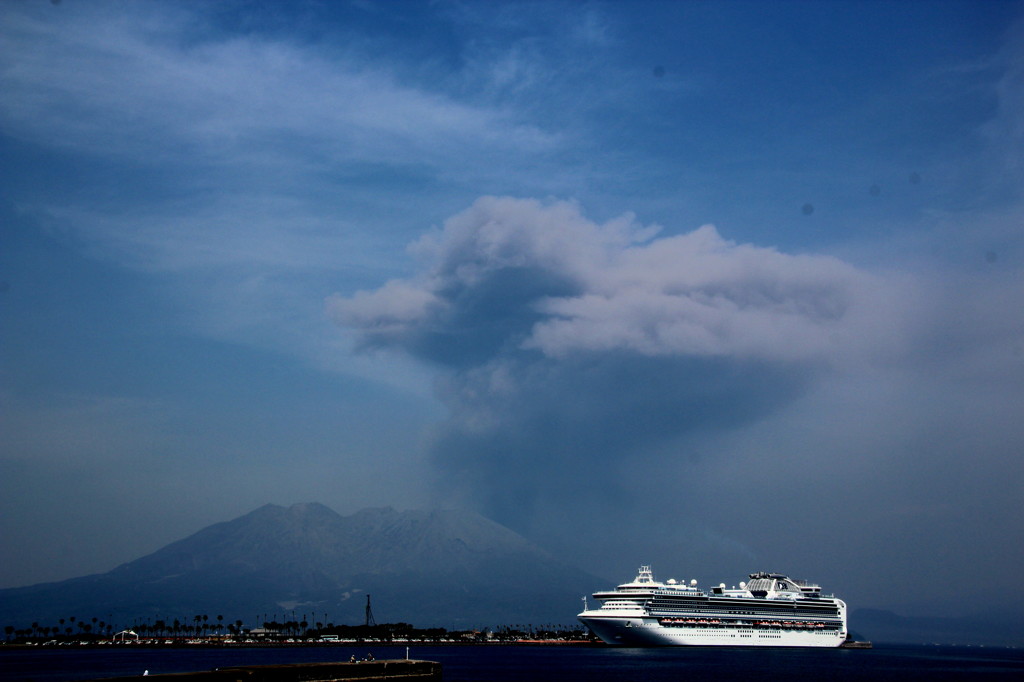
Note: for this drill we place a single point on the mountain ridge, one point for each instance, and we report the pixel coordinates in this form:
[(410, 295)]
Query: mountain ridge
[(431, 567)]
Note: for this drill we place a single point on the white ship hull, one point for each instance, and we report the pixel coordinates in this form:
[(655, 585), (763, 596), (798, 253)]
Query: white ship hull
[(646, 632)]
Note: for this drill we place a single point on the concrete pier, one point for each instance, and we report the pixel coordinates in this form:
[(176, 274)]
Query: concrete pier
[(414, 671)]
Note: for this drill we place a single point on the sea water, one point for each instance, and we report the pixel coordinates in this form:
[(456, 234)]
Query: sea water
[(552, 663)]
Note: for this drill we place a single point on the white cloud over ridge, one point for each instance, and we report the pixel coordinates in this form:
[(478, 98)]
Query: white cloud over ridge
[(569, 349)]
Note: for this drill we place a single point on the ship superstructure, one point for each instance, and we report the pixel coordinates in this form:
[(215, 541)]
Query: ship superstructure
[(769, 610)]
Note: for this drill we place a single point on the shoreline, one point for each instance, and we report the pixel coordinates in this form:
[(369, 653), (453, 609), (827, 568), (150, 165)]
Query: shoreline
[(282, 645)]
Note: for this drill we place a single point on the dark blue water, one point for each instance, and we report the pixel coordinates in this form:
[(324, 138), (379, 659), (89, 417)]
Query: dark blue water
[(499, 663)]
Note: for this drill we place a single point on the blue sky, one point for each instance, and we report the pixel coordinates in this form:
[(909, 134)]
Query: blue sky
[(720, 287)]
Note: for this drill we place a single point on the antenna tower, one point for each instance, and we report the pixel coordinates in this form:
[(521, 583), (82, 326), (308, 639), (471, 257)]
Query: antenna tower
[(369, 613)]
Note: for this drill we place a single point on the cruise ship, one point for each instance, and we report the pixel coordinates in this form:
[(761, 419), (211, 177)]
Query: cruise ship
[(769, 610)]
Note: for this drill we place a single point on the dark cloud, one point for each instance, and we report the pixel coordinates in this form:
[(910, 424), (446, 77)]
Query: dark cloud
[(533, 430), (488, 318)]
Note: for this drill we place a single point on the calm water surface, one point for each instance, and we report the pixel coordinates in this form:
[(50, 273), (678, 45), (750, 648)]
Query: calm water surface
[(499, 663)]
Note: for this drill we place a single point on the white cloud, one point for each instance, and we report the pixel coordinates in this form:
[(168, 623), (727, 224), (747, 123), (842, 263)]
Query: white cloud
[(229, 151), (119, 80), (695, 294), (698, 294), (389, 308)]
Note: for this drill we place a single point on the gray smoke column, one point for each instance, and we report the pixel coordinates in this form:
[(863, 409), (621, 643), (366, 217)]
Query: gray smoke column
[(568, 350)]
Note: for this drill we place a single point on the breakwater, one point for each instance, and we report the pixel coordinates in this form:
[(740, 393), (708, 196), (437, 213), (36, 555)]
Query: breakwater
[(398, 670)]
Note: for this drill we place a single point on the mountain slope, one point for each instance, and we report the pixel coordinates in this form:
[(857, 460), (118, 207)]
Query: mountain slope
[(439, 567)]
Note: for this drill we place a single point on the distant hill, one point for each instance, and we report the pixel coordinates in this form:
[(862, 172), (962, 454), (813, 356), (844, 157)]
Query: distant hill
[(429, 568), (995, 629)]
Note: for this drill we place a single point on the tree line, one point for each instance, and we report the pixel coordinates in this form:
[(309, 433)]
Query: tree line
[(202, 626)]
